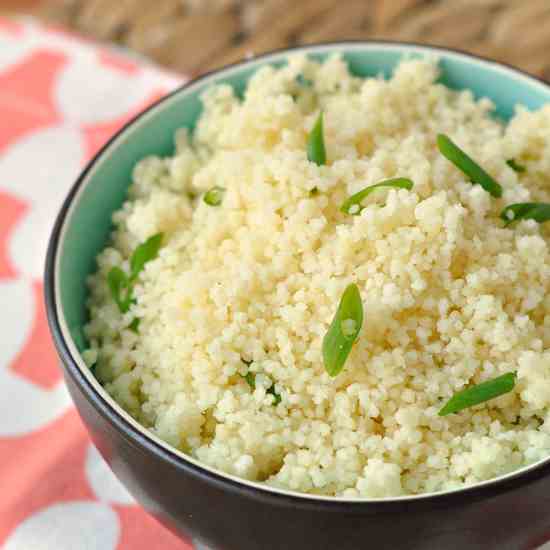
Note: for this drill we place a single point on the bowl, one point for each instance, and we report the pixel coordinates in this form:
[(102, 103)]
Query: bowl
[(220, 511)]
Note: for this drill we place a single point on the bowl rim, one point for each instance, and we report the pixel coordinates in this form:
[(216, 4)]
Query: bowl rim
[(142, 439)]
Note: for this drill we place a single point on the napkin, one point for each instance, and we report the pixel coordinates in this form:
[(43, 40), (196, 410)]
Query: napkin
[(61, 97)]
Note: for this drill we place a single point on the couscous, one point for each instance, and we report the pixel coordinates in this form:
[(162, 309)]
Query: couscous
[(259, 310)]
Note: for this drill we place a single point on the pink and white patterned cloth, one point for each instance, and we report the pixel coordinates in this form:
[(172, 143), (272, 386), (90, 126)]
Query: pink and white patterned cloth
[(60, 99)]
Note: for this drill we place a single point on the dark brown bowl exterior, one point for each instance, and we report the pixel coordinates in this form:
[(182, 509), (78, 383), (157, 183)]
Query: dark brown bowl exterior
[(216, 511)]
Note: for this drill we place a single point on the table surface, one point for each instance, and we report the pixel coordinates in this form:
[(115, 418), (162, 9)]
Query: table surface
[(193, 36)]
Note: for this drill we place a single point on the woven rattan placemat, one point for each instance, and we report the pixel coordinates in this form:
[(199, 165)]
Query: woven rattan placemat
[(193, 36)]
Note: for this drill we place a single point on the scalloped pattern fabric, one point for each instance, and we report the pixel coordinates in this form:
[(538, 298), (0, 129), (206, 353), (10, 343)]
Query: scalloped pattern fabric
[(60, 99)]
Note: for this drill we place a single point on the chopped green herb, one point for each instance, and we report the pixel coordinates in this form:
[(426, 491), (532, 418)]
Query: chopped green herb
[(314, 192), (538, 211), (120, 288), (144, 253), (134, 325), (343, 330), (214, 196), (515, 166), (353, 204), (120, 284), (316, 143), (277, 397), (479, 393), (467, 165), (250, 378)]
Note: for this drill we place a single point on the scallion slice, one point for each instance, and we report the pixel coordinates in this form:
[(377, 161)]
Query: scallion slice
[(353, 204), (144, 253), (276, 397), (479, 393), (251, 381), (119, 284), (538, 211), (467, 165), (515, 166), (122, 285), (214, 196), (316, 151), (343, 330)]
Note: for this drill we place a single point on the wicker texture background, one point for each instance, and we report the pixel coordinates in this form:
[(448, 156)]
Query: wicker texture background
[(193, 36)]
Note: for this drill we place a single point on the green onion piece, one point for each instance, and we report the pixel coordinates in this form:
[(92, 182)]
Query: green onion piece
[(463, 162), (515, 166), (119, 284), (479, 393), (214, 196), (250, 379), (538, 211), (134, 325), (343, 330), (353, 204), (277, 397), (316, 143), (249, 376), (144, 253)]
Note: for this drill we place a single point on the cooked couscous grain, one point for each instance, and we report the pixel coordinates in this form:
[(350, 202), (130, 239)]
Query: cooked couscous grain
[(245, 291)]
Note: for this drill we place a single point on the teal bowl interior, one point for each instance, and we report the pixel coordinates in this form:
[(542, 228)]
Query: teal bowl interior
[(102, 187)]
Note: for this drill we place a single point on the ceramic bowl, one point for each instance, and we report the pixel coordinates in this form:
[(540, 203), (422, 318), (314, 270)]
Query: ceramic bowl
[(220, 511)]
